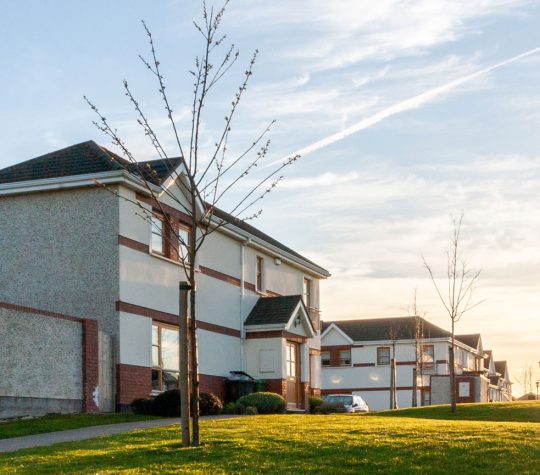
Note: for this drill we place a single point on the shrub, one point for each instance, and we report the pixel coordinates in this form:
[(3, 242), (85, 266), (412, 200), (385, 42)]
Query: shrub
[(142, 405), (167, 404), (329, 408), (266, 403), (209, 404), (250, 411), (230, 408), (314, 403)]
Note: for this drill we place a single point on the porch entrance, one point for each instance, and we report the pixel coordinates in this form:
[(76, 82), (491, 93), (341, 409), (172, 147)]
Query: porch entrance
[(293, 374)]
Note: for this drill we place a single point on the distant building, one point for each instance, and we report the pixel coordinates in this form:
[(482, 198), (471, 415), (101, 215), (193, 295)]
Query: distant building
[(356, 358)]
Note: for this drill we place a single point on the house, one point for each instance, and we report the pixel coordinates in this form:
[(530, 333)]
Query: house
[(356, 357), (89, 292), (504, 384)]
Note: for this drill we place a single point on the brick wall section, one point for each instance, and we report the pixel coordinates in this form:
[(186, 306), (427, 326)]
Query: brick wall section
[(304, 395), (278, 386), (212, 384), (132, 382), (90, 357)]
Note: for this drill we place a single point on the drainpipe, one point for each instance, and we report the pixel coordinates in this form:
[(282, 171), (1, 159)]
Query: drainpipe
[(242, 293)]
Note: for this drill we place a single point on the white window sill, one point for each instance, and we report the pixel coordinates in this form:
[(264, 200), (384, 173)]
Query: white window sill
[(171, 261)]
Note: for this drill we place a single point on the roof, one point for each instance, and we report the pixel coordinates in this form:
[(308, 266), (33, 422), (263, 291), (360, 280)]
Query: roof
[(273, 310), (488, 356), (374, 329), (265, 237), (85, 158), (89, 158), (471, 340), (500, 367)]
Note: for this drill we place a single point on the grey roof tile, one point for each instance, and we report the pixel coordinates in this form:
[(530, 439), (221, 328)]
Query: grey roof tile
[(273, 310)]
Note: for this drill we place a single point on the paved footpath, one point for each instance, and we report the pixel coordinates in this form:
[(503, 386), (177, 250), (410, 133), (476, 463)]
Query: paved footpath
[(38, 440)]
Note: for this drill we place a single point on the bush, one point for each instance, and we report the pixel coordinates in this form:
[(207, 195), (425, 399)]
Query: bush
[(167, 404), (142, 405), (314, 403), (230, 408), (329, 408), (265, 403), (209, 404), (250, 411)]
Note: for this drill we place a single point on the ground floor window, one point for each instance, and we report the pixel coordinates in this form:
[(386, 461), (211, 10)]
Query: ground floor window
[(165, 359), (425, 397)]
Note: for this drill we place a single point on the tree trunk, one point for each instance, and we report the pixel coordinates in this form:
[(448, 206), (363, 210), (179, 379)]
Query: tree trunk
[(452, 374), (193, 333), (415, 388), (183, 343)]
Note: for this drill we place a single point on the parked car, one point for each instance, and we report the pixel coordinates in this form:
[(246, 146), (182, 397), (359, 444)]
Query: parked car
[(351, 402)]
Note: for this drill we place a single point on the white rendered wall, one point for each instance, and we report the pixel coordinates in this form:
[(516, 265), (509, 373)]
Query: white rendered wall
[(135, 340), (218, 354), (271, 346)]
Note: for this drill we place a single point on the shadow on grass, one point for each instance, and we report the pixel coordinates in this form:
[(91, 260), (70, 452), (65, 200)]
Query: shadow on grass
[(310, 444)]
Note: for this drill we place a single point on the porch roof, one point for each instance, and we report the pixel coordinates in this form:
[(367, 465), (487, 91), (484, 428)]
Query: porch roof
[(273, 310)]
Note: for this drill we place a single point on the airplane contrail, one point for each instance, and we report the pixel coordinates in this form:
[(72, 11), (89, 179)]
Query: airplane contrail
[(408, 104)]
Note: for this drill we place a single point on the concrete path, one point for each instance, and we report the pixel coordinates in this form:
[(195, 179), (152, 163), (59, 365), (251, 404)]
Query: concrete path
[(49, 438)]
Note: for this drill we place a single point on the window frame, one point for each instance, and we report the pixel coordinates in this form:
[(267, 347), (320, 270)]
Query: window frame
[(154, 232), (427, 364), (379, 350), (184, 227), (160, 367), (329, 358), (343, 361), (259, 274), (307, 292)]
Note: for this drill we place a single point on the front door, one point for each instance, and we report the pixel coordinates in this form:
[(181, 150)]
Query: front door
[(293, 374)]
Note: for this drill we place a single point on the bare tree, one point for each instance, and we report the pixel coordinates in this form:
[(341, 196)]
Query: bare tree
[(199, 180), (457, 298), (418, 338), (527, 380), (393, 335)]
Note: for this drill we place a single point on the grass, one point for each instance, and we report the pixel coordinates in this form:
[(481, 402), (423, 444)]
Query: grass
[(54, 423), (302, 444), (522, 411)]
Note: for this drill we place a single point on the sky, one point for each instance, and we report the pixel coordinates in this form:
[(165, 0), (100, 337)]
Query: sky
[(400, 116)]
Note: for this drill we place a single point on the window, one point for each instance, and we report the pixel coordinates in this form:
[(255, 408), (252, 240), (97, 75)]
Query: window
[(383, 355), (344, 357), (425, 397), (291, 360), (307, 292), (325, 358), (427, 357), (260, 279), (165, 358), (183, 241), (157, 234)]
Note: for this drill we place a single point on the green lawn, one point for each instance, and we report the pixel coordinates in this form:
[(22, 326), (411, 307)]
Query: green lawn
[(302, 444), (522, 411), (53, 423)]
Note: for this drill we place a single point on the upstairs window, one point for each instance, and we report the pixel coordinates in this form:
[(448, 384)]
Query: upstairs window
[(307, 292), (427, 357), (325, 358), (345, 358), (383, 356), (157, 242), (259, 274), (183, 243)]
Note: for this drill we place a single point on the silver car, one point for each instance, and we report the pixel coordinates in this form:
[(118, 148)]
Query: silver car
[(351, 402)]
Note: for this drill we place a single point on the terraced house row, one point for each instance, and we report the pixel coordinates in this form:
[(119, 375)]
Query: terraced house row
[(408, 356)]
